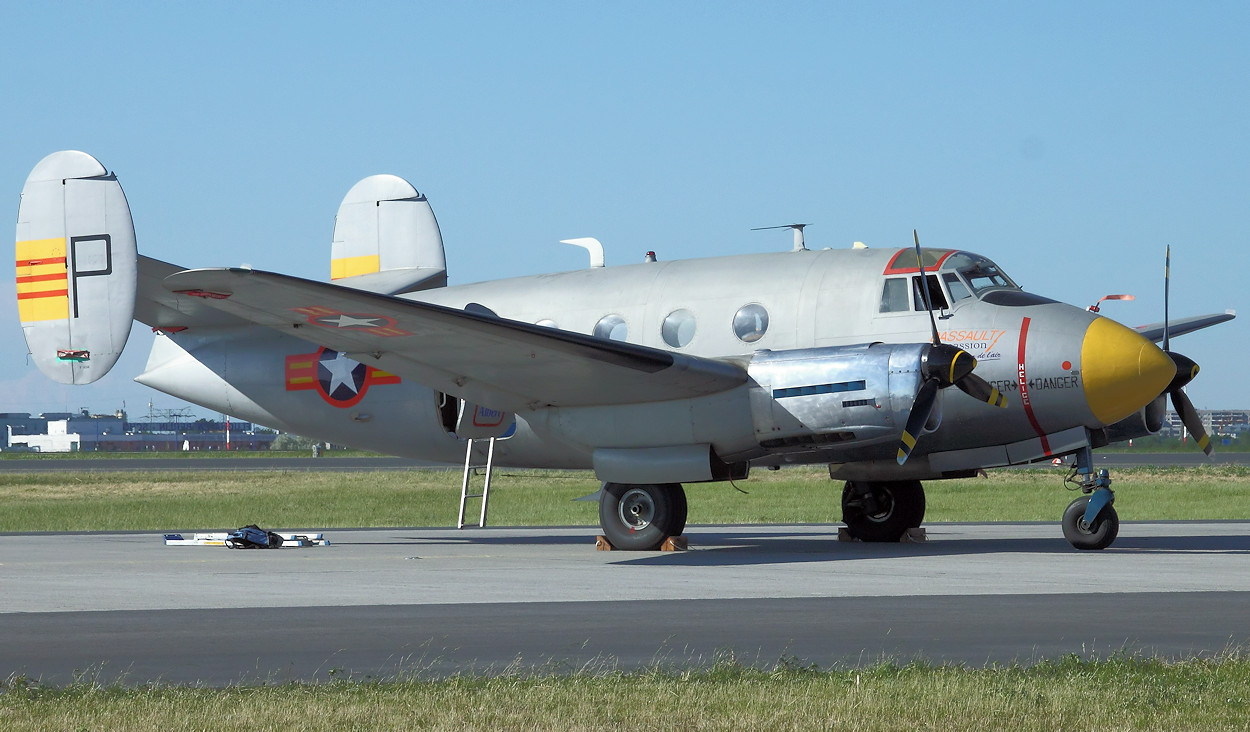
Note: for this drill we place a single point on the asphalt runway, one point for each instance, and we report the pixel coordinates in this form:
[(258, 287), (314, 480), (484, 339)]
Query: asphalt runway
[(433, 602), (352, 464)]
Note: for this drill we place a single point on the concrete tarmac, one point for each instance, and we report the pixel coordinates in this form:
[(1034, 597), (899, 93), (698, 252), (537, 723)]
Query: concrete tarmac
[(382, 602)]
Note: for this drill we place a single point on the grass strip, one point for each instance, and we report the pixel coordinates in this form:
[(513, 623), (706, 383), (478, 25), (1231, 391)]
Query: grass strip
[(1120, 693), (206, 500)]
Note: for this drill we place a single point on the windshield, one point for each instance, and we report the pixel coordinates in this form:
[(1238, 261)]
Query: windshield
[(978, 273)]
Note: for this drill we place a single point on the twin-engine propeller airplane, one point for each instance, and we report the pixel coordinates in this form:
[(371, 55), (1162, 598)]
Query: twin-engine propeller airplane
[(652, 374)]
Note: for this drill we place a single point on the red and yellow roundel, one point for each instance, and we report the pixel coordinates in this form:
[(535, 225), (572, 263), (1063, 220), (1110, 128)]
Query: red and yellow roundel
[(339, 380)]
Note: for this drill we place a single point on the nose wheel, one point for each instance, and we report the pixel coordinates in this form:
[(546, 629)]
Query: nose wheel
[(1087, 534), (1090, 522)]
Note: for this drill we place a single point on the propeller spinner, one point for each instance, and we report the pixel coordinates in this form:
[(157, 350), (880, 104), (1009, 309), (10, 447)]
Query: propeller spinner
[(941, 366)]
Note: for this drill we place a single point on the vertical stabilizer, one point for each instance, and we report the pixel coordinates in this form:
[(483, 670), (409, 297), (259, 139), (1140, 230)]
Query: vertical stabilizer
[(386, 239), (76, 267)]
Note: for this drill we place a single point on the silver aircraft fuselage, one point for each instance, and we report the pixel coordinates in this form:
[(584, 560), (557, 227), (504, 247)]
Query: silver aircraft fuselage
[(800, 322)]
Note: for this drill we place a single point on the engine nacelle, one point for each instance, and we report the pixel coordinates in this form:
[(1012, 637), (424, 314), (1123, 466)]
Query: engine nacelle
[(1144, 422), (818, 398)]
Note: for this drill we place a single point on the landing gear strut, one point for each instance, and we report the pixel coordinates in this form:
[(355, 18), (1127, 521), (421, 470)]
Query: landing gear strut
[(882, 510), (1090, 522), (639, 517)]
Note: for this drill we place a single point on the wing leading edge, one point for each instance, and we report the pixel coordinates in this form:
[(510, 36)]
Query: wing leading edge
[(1181, 326), (503, 363)]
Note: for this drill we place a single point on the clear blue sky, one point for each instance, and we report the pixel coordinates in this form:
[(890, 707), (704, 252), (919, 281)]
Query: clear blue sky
[(1070, 142)]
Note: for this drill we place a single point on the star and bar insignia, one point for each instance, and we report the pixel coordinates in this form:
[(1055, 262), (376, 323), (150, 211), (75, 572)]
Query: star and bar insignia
[(337, 379), (323, 317)]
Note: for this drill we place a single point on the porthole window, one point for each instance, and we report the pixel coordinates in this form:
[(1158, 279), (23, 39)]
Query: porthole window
[(750, 323), (678, 328), (547, 323), (611, 327)]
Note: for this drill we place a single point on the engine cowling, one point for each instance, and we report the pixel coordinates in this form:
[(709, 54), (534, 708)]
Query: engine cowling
[(1144, 422), (818, 398)]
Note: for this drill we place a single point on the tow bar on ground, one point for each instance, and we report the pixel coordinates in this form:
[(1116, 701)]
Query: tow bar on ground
[(292, 540)]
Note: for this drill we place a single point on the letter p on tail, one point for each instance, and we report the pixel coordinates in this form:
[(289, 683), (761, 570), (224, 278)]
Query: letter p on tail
[(76, 267)]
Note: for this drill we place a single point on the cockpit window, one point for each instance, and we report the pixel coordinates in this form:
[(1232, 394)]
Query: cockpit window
[(935, 293), (894, 295), (978, 273), (956, 287)]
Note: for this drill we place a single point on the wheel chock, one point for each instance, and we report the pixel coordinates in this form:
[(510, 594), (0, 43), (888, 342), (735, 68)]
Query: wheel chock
[(671, 544), (910, 536)]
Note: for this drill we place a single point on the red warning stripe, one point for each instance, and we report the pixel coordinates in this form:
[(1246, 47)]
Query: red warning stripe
[(1023, 380), (23, 279), (41, 260)]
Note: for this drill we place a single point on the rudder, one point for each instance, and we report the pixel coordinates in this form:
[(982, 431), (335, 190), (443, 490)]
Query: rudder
[(386, 239), (76, 267)]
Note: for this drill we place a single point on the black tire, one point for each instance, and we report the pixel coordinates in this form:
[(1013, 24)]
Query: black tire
[(677, 523), (637, 517), (1099, 534), (882, 510)]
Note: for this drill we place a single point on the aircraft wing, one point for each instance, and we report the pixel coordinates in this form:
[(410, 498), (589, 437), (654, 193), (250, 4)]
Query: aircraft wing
[(160, 308), (1181, 326), (501, 363)]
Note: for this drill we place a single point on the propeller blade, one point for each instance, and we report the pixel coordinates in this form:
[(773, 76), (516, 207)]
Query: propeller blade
[(981, 390), (1167, 281), (924, 283), (921, 407), (1189, 417)]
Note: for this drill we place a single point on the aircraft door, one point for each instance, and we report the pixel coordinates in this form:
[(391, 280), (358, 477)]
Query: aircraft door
[(473, 421)]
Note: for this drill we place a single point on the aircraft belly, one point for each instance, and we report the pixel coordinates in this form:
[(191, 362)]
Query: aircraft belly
[(719, 420)]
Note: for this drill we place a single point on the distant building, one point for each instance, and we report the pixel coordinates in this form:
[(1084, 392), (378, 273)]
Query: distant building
[(1214, 421), (83, 432)]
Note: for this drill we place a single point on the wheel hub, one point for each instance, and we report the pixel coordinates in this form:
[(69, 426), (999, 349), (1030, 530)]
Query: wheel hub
[(637, 509)]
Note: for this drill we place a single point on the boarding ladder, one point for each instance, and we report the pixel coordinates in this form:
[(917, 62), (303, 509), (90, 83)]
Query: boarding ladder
[(469, 470)]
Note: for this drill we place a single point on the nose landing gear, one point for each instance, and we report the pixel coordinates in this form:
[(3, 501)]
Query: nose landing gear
[(1090, 522)]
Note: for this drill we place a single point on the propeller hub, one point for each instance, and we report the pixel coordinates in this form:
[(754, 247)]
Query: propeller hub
[(1186, 370), (947, 364)]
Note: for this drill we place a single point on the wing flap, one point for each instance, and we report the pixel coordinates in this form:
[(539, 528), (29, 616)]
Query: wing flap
[(503, 363)]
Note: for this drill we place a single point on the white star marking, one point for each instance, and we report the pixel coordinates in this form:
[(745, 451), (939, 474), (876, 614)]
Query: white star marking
[(341, 373), (346, 321)]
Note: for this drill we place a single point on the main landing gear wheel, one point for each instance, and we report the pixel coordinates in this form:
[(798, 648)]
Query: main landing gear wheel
[(1095, 535), (639, 517), (882, 510)]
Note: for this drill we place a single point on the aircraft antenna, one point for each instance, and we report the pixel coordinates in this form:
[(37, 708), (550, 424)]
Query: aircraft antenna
[(592, 246), (799, 244)]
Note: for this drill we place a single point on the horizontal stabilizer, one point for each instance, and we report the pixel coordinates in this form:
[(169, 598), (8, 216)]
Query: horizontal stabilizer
[(76, 267), (482, 358)]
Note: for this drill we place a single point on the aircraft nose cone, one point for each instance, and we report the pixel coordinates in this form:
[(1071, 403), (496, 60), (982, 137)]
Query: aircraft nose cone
[(1121, 371)]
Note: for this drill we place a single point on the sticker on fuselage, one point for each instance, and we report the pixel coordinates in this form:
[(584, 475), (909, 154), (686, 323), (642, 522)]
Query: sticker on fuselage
[(337, 379)]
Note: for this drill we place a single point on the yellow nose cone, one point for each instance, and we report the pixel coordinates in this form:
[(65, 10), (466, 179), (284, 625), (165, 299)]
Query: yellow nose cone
[(1121, 371)]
